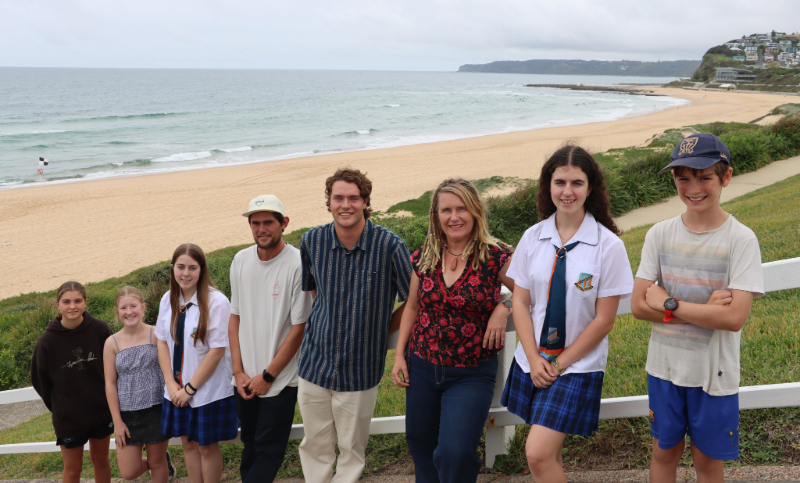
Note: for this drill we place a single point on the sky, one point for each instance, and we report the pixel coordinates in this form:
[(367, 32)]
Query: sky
[(415, 35)]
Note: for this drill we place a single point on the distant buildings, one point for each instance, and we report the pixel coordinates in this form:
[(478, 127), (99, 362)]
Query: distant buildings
[(731, 75)]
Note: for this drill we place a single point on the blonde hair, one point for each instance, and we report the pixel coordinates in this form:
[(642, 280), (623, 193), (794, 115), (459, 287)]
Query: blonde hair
[(69, 287), (126, 291), (480, 238)]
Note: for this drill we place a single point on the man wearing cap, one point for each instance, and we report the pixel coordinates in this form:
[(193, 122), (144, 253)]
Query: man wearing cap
[(268, 315), (697, 278)]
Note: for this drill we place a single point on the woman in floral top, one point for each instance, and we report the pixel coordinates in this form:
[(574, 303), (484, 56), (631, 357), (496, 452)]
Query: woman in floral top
[(452, 328)]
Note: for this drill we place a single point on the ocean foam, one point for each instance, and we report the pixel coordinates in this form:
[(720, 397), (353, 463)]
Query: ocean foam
[(183, 157), (237, 150)]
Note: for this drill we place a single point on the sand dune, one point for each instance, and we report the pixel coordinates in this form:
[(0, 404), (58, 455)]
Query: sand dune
[(91, 230)]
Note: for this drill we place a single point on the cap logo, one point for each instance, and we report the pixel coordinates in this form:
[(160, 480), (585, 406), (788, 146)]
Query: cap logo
[(259, 202), (723, 156), (687, 146)]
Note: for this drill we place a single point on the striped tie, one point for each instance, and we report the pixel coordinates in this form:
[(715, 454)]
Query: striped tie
[(177, 351), (554, 329)]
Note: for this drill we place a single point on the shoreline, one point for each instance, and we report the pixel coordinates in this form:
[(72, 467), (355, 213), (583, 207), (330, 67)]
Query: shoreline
[(96, 229), (627, 90)]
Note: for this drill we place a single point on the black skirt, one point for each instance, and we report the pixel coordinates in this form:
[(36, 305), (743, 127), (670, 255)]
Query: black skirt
[(144, 426)]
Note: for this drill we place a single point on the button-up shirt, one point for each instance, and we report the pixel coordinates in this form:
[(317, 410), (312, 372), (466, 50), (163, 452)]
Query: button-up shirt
[(344, 343)]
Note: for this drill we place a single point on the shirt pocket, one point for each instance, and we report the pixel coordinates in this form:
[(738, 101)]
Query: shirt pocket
[(583, 280)]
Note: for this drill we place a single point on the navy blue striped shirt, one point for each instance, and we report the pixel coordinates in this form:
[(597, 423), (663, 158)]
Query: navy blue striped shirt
[(344, 343)]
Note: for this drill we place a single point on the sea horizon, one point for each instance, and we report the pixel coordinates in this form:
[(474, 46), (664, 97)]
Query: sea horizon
[(95, 123)]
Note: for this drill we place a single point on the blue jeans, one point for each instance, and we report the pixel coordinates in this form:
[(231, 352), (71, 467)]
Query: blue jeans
[(446, 409), (266, 425)]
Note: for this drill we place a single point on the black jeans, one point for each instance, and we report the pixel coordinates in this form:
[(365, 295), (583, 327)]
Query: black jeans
[(266, 424)]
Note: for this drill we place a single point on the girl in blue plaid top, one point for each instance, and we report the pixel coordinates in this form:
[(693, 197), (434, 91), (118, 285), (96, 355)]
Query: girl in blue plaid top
[(571, 270), (134, 388)]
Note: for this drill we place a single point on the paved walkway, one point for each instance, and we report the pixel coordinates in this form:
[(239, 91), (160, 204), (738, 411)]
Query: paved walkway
[(739, 185)]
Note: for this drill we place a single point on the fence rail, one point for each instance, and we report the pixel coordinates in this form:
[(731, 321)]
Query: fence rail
[(500, 425)]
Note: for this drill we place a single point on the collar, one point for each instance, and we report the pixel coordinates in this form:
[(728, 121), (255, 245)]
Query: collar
[(362, 243), (588, 233), (193, 300)]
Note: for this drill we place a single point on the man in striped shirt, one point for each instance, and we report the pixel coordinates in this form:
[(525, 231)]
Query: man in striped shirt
[(356, 270)]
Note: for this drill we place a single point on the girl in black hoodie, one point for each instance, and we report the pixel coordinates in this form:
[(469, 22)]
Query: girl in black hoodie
[(67, 372)]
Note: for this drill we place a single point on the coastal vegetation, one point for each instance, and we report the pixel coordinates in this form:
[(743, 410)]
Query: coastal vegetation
[(770, 342)]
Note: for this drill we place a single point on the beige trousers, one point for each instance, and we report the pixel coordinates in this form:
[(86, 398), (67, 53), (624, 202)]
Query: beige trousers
[(331, 417)]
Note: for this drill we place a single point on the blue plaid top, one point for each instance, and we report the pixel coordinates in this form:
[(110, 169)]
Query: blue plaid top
[(344, 343)]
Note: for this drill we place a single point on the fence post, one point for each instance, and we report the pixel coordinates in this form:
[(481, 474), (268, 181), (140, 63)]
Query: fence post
[(498, 437)]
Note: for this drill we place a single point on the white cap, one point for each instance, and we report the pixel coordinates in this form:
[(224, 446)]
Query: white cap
[(265, 203)]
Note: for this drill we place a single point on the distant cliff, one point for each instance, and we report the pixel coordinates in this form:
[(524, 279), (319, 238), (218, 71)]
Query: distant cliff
[(671, 68)]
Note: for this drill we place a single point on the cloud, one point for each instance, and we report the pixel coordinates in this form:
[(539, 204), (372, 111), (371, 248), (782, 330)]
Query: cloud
[(377, 34)]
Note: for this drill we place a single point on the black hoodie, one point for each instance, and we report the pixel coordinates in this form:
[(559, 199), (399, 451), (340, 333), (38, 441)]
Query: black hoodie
[(67, 372)]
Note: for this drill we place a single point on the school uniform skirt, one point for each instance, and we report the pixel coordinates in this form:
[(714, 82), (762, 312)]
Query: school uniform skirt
[(570, 405), (208, 424)]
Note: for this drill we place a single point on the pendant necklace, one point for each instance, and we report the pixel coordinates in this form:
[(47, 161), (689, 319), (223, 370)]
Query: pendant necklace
[(454, 265)]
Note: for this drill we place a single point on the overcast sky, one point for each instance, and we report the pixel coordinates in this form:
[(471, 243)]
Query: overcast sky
[(419, 35)]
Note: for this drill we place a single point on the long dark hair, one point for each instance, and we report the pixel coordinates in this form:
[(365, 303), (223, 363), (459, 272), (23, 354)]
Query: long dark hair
[(597, 201), (203, 287)]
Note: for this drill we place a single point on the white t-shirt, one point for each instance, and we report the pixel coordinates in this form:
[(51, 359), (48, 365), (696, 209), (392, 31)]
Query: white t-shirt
[(600, 255), (268, 298), (216, 387), (690, 266)]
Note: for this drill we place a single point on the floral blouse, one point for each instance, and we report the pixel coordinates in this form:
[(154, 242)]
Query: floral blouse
[(451, 321)]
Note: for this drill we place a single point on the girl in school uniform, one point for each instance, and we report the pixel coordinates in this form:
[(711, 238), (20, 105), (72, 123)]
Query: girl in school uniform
[(67, 372), (195, 358), (134, 389), (571, 269)]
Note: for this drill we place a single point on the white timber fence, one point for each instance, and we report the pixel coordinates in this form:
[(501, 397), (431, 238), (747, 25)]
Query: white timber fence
[(500, 424)]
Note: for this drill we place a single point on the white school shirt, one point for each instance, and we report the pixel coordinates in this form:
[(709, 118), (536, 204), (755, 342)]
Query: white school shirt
[(269, 299), (218, 385), (601, 255)]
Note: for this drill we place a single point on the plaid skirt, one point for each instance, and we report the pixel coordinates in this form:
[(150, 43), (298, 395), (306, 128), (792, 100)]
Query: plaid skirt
[(571, 405), (205, 425)]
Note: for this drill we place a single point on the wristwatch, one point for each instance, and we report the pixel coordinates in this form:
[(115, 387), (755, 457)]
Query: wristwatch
[(268, 377), (508, 304), (669, 305)]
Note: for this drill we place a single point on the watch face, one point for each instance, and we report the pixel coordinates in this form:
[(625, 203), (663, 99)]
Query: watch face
[(670, 304), (507, 303)]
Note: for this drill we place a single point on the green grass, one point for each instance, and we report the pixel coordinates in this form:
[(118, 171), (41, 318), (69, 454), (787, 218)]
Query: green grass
[(770, 352), (632, 182)]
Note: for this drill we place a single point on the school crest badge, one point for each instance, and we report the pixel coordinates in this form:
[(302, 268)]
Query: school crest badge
[(687, 146), (652, 416), (552, 335), (584, 282)]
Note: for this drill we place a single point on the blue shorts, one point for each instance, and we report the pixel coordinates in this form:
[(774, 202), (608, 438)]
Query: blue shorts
[(711, 421)]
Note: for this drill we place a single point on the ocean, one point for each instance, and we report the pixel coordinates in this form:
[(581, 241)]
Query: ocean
[(100, 123)]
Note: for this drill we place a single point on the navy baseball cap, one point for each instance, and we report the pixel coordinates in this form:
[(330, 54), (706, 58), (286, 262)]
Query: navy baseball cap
[(699, 151)]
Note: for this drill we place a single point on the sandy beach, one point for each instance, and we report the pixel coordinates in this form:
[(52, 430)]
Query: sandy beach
[(92, 230)]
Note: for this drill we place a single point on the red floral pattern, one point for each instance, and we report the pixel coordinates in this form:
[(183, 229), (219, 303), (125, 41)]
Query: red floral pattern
[(451, 321)]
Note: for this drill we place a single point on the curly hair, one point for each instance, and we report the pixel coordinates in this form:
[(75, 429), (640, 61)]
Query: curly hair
[(597, 201), (480, 238), (351, 176)]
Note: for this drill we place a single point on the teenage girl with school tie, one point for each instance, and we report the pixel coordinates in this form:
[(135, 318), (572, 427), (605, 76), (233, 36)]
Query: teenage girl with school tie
[(571, 270), (195, 358)]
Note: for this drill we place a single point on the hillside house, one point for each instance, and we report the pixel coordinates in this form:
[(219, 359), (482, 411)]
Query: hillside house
[(785, 44), (731, 75), (751, 57), (741, 58), (769, 57), (751, 50), (773, 50), (784, 56), (771, 44), (733, 45)]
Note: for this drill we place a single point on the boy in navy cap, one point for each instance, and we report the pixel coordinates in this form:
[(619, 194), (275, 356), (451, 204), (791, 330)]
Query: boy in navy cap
[(707, 267)]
